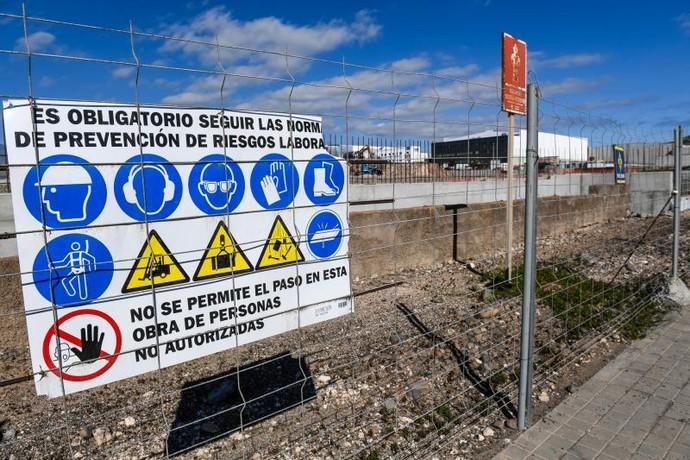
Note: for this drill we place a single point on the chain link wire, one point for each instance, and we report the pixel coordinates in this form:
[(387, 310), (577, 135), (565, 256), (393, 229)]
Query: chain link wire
[(430, 357)]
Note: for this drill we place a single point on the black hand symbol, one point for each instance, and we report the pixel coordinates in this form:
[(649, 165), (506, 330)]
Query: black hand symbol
[(91, 344)]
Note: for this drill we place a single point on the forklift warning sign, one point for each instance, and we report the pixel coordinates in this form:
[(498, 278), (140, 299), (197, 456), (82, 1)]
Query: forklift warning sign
[(150, 236), (154, 266)]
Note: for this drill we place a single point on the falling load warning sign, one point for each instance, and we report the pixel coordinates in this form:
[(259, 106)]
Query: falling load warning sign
[(280, 248), (154, 266), (223, 256)]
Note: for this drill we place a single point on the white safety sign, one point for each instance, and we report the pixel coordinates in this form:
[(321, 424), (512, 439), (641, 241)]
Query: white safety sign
[(150, 236)]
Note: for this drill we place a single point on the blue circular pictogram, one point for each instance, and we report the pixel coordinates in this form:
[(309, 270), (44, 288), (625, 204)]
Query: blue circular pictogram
[(274, 181), (72, 192), (75, 269), (148, 187), (216, 184), (324, 234), (324, 179)]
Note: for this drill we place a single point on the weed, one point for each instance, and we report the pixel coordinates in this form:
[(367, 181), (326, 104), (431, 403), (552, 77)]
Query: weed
[(374, 455), (583, 304), (445, 412)]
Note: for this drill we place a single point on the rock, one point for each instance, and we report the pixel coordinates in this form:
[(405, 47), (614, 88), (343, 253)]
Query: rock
[(210, 427), (395, 338), (571, 388), (587, 258), (417, 390), (85, 432), (480, 437), (489, 313), (129, 421), (390, 404), (488, 295), (102, 436), (256, 456), (678, 292), (323, 379), (78, 455), (488, 432), (9, 434), (404, 421), (238, 436), (486, 362), (498, 424), (544, 396), (511, 424)]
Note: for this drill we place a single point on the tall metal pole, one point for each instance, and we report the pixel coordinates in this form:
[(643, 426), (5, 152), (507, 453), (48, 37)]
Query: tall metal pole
[(530, 273), (509, 201), (678, 143)]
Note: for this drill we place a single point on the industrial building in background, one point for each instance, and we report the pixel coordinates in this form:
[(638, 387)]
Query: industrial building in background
[(489, 150)]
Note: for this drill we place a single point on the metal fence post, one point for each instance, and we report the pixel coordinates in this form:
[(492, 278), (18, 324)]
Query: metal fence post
[(677, 143), (530, 265)]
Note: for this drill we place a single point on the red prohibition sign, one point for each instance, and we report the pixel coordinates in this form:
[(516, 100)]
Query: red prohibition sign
[(109, 359)]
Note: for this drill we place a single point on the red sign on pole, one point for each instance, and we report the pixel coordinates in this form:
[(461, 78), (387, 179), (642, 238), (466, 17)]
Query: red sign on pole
[(514, 75)]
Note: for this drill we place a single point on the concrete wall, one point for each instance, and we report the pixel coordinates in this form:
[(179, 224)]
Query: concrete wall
[(391, 240), (482, 191), (649, 191), (8, 247), (410, 232)]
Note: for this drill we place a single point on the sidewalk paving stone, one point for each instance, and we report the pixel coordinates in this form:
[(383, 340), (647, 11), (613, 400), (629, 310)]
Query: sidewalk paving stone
[(636, 407)]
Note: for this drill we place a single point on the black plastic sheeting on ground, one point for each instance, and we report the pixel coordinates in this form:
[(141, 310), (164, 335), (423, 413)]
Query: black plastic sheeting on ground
[(214, 407)]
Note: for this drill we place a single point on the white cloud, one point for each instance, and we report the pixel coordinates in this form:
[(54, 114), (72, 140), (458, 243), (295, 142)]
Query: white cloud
[(38, 42), (260, 81), (684, 21), (372, 102), (566, 61), (46, 81), (413, 64), (569, 85), (459, 71), (124, 72), (267, 34), (203, 90)]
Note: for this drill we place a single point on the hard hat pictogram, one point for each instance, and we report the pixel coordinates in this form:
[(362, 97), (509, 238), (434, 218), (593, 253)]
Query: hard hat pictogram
[(64, 191)]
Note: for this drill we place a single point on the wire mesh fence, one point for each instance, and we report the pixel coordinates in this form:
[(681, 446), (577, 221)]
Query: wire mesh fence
[(428, 363)]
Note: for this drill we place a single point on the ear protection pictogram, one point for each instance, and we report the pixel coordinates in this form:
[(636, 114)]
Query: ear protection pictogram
[(130, 192)]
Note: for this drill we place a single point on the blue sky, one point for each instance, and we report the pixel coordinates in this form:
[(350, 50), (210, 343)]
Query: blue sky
[(628, 64)]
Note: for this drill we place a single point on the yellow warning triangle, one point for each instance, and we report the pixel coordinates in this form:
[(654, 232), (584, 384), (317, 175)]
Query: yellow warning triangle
[(223, 256), (280, 247), (155, 265)]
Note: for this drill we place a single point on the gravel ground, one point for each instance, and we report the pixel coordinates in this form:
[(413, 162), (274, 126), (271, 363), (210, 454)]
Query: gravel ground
[(375, 386)]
